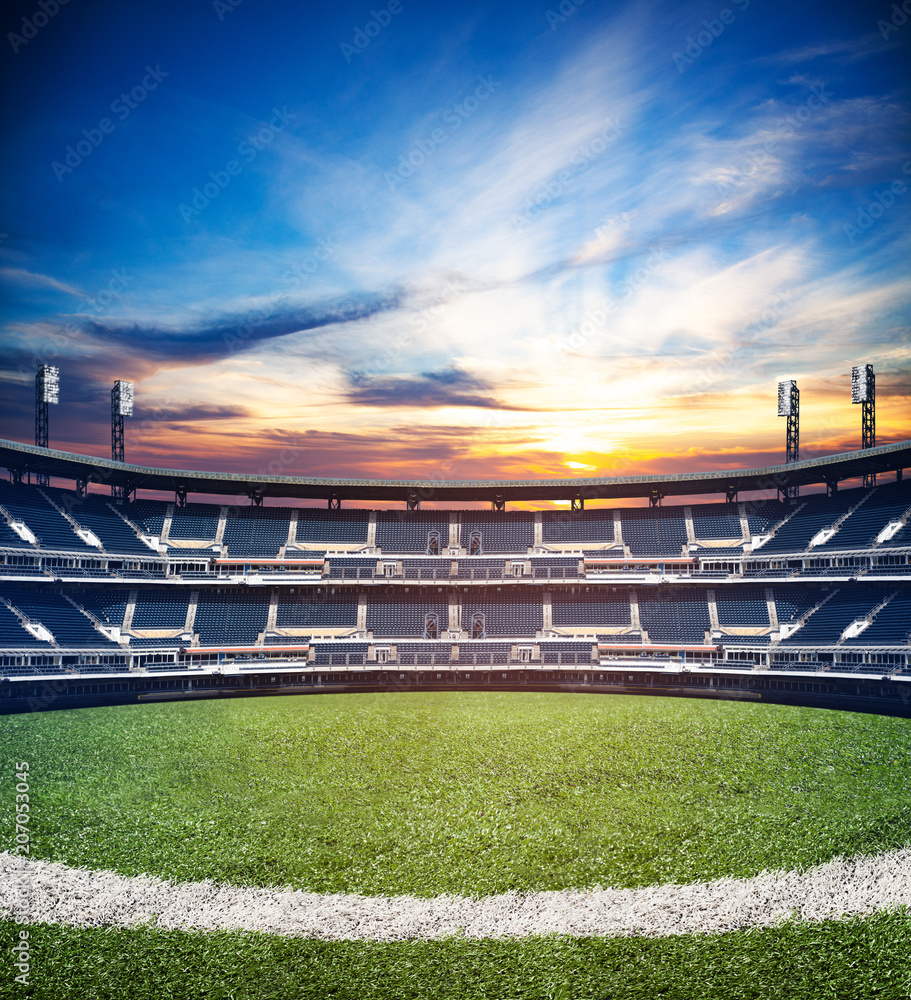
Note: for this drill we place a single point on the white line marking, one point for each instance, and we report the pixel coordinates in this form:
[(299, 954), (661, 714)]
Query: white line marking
[(33, 891)]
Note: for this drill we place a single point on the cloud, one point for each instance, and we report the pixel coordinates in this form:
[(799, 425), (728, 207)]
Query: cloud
[(227, 335), (190, 414), (427, 390), (842, 50), (19, 276), (609, 237)]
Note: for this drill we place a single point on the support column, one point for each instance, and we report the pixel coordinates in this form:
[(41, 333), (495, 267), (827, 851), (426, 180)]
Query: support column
[(191, 612), (773, 608), (121, 406), (222, 521), (130, 611), (292, 529), (455, 613), (634, 609), (455, 529), (713, 609), (789, 406), (273, 610), (868, 423), (746, 534), (47, 389), (166, 526)]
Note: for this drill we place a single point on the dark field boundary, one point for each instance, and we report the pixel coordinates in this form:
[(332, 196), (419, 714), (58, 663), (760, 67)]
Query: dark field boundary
[(861, 694)]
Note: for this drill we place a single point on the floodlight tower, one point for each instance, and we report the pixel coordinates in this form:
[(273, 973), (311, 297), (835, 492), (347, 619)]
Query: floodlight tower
[(121, 406), (789, 406), (47, 391), (863, 390)]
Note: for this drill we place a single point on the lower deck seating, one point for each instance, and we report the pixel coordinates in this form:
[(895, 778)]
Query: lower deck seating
[(316, 608), (68, 625), (591, 607), (340, 655), (231, 618), (680, 615), (568, 652), (891, 626), (14, 635), (406, 615), (827, 623)]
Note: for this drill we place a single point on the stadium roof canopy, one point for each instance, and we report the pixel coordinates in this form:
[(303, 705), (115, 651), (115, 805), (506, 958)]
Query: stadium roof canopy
[(22, 459)]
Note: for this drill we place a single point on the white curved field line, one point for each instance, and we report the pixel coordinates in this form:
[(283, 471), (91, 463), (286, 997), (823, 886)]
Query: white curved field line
[(34, 891)]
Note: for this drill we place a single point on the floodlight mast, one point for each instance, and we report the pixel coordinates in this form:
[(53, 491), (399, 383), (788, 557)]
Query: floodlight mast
[(47, 391), (121, 406), (863, 391), (789, 406)]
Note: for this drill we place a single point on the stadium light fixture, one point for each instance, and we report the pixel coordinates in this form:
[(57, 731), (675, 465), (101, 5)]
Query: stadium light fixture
[(786, 398), (863, 391), (789, 406), (48, 384), (121, 406), (122, 398), (47, 391), (862, 382)]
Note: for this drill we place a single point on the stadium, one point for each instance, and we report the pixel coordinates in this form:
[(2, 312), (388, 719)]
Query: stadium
[(113, 599), (409, 586), (803, 600)]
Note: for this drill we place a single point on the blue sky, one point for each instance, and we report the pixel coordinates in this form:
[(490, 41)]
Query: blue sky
[(456, 239)]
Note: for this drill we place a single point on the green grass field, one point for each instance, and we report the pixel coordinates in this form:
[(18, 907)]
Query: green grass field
[(469, 793)]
